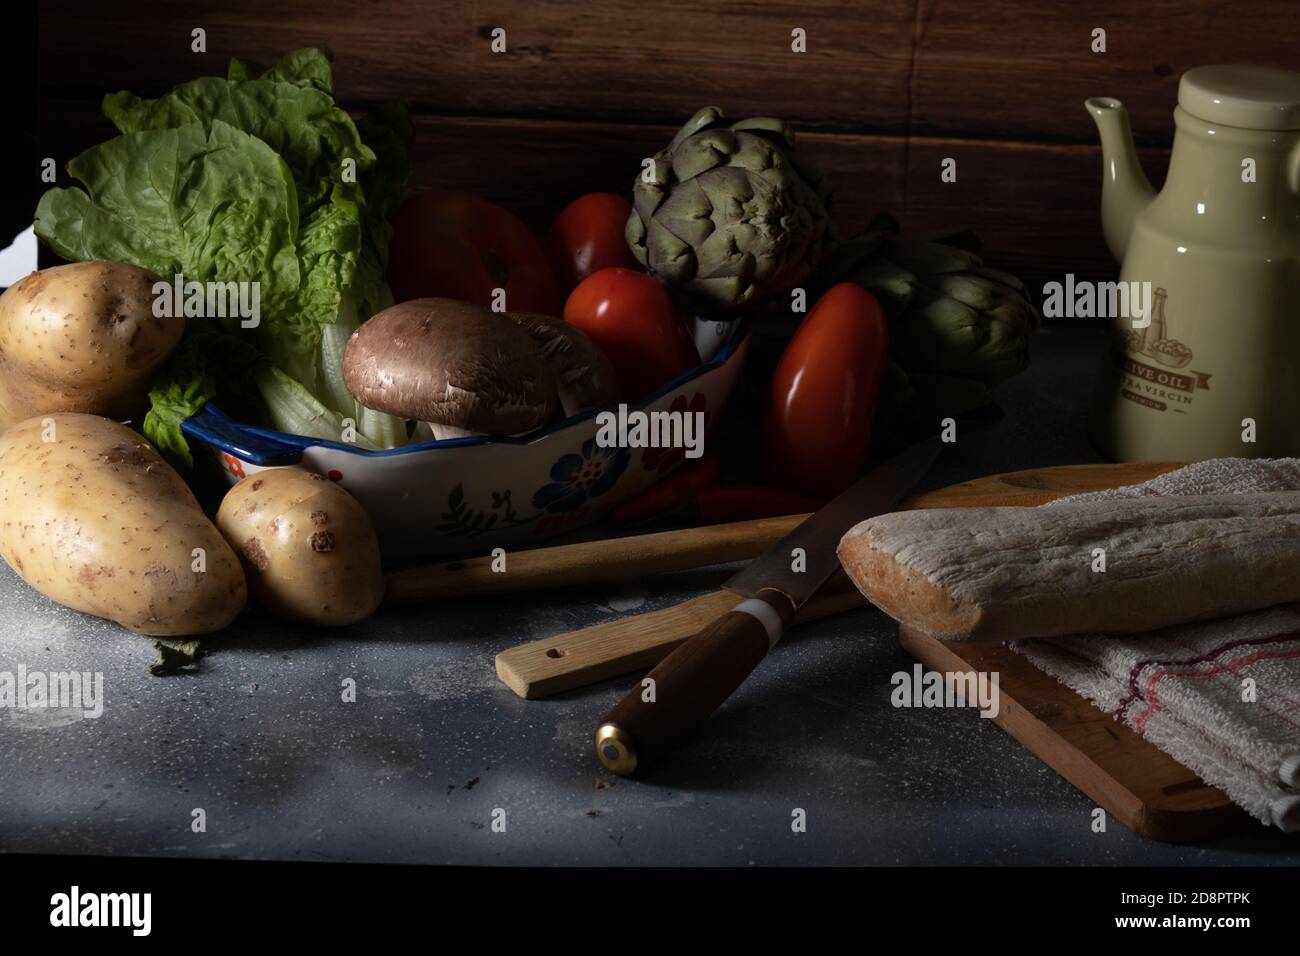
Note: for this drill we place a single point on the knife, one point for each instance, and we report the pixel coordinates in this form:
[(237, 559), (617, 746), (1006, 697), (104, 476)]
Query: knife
[(691, 682)]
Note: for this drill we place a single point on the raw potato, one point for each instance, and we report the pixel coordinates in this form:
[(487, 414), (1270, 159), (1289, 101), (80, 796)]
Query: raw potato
[(308, 546), (93, 518), (81, 338)]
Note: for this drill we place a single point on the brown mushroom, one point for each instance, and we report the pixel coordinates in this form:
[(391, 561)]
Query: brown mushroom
[(585, 378), (463, 369)]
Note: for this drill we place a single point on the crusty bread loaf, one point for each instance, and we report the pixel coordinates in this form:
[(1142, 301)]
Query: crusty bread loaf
[(1006, 573)]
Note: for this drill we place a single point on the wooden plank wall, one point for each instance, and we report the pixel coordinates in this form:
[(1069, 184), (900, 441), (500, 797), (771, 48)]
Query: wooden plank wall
[(885, 91)]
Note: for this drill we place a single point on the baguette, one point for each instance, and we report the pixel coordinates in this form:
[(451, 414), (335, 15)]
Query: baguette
[(1009, 573)]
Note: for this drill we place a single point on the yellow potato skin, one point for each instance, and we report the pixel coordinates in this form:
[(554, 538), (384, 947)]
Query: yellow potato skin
[(96, 520), (81, 338), (309, 549)]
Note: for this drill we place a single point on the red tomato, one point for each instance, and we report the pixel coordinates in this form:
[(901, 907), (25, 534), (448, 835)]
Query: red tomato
[(588, 237), (629, 315), (822, 400), (458, 246)]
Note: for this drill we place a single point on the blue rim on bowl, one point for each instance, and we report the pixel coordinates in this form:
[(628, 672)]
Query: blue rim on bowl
[(265, 446)]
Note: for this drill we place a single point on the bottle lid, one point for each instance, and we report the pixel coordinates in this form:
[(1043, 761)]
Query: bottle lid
[(1244, 95)]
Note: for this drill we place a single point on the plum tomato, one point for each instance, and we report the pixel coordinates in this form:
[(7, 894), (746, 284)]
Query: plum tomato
[(822, 399)]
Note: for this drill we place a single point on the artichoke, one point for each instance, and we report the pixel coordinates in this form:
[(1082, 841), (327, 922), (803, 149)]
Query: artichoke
[(728, 215), (956, 327)]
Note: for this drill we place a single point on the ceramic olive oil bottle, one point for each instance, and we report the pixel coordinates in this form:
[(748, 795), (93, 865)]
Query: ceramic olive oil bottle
[(1205, 357)]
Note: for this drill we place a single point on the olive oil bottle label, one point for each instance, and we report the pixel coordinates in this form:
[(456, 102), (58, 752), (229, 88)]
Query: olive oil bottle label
[(1150, 364)]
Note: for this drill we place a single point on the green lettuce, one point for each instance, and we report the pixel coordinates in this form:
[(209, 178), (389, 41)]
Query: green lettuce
[(207, 364), (287, 108), (288, 112), (206, 203), (255, 176)]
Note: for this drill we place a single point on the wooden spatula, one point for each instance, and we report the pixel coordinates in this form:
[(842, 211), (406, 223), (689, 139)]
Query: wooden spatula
[(590, 562), (560, 663), (577, 658)]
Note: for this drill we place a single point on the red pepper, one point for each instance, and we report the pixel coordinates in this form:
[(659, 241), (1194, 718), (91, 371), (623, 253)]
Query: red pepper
[(677, 489)]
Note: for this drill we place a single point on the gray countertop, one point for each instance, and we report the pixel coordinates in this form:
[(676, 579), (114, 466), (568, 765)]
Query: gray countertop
[(434, 747)]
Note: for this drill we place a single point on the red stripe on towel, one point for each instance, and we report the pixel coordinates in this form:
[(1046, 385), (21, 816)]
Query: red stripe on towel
[(1135, 692), (1153, 682)]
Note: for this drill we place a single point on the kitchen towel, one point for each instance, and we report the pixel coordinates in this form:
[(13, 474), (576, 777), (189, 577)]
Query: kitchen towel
[(1221, 697)]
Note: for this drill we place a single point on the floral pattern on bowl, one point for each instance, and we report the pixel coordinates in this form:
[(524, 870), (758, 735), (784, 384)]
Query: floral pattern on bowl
[(470, 495)]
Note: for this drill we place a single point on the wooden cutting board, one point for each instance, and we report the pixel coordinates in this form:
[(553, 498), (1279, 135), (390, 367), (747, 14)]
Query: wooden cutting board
[(1135, 782), (1131, 779), (562, 662)]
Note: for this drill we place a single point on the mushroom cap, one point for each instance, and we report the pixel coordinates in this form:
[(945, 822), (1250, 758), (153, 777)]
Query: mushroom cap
[(450, 363), (584, 377)]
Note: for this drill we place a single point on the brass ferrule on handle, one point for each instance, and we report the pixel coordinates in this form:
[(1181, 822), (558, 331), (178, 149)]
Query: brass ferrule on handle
[(616, 749), (690, 683)]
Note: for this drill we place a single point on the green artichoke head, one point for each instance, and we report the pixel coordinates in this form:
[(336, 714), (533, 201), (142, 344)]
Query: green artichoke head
[(956, 327), (727, 213)]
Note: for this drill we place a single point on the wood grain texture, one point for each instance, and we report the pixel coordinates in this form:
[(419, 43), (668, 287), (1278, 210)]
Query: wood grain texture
[(1027, 201), (691, 683), (576, 658), (1037, 486), (1132, 780), (611, 60), (1026, 66), (612, 559), (1013, 69), (589, 562), (885, 92)]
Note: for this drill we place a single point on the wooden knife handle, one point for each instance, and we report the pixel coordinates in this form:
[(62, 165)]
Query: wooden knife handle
[(690, 683), (562, 662)]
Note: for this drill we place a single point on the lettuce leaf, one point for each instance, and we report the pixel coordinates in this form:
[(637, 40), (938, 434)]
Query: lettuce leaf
[(344, 209), (207, 365), (258, 175), (309, 66), (289, 107), (211, 204)]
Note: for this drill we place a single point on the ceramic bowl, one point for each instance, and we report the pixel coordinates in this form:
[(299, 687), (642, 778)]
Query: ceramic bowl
[(470, 495)]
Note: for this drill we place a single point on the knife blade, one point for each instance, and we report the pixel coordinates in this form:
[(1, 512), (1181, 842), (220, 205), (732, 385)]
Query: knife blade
[(691, 682), (818, 536)]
